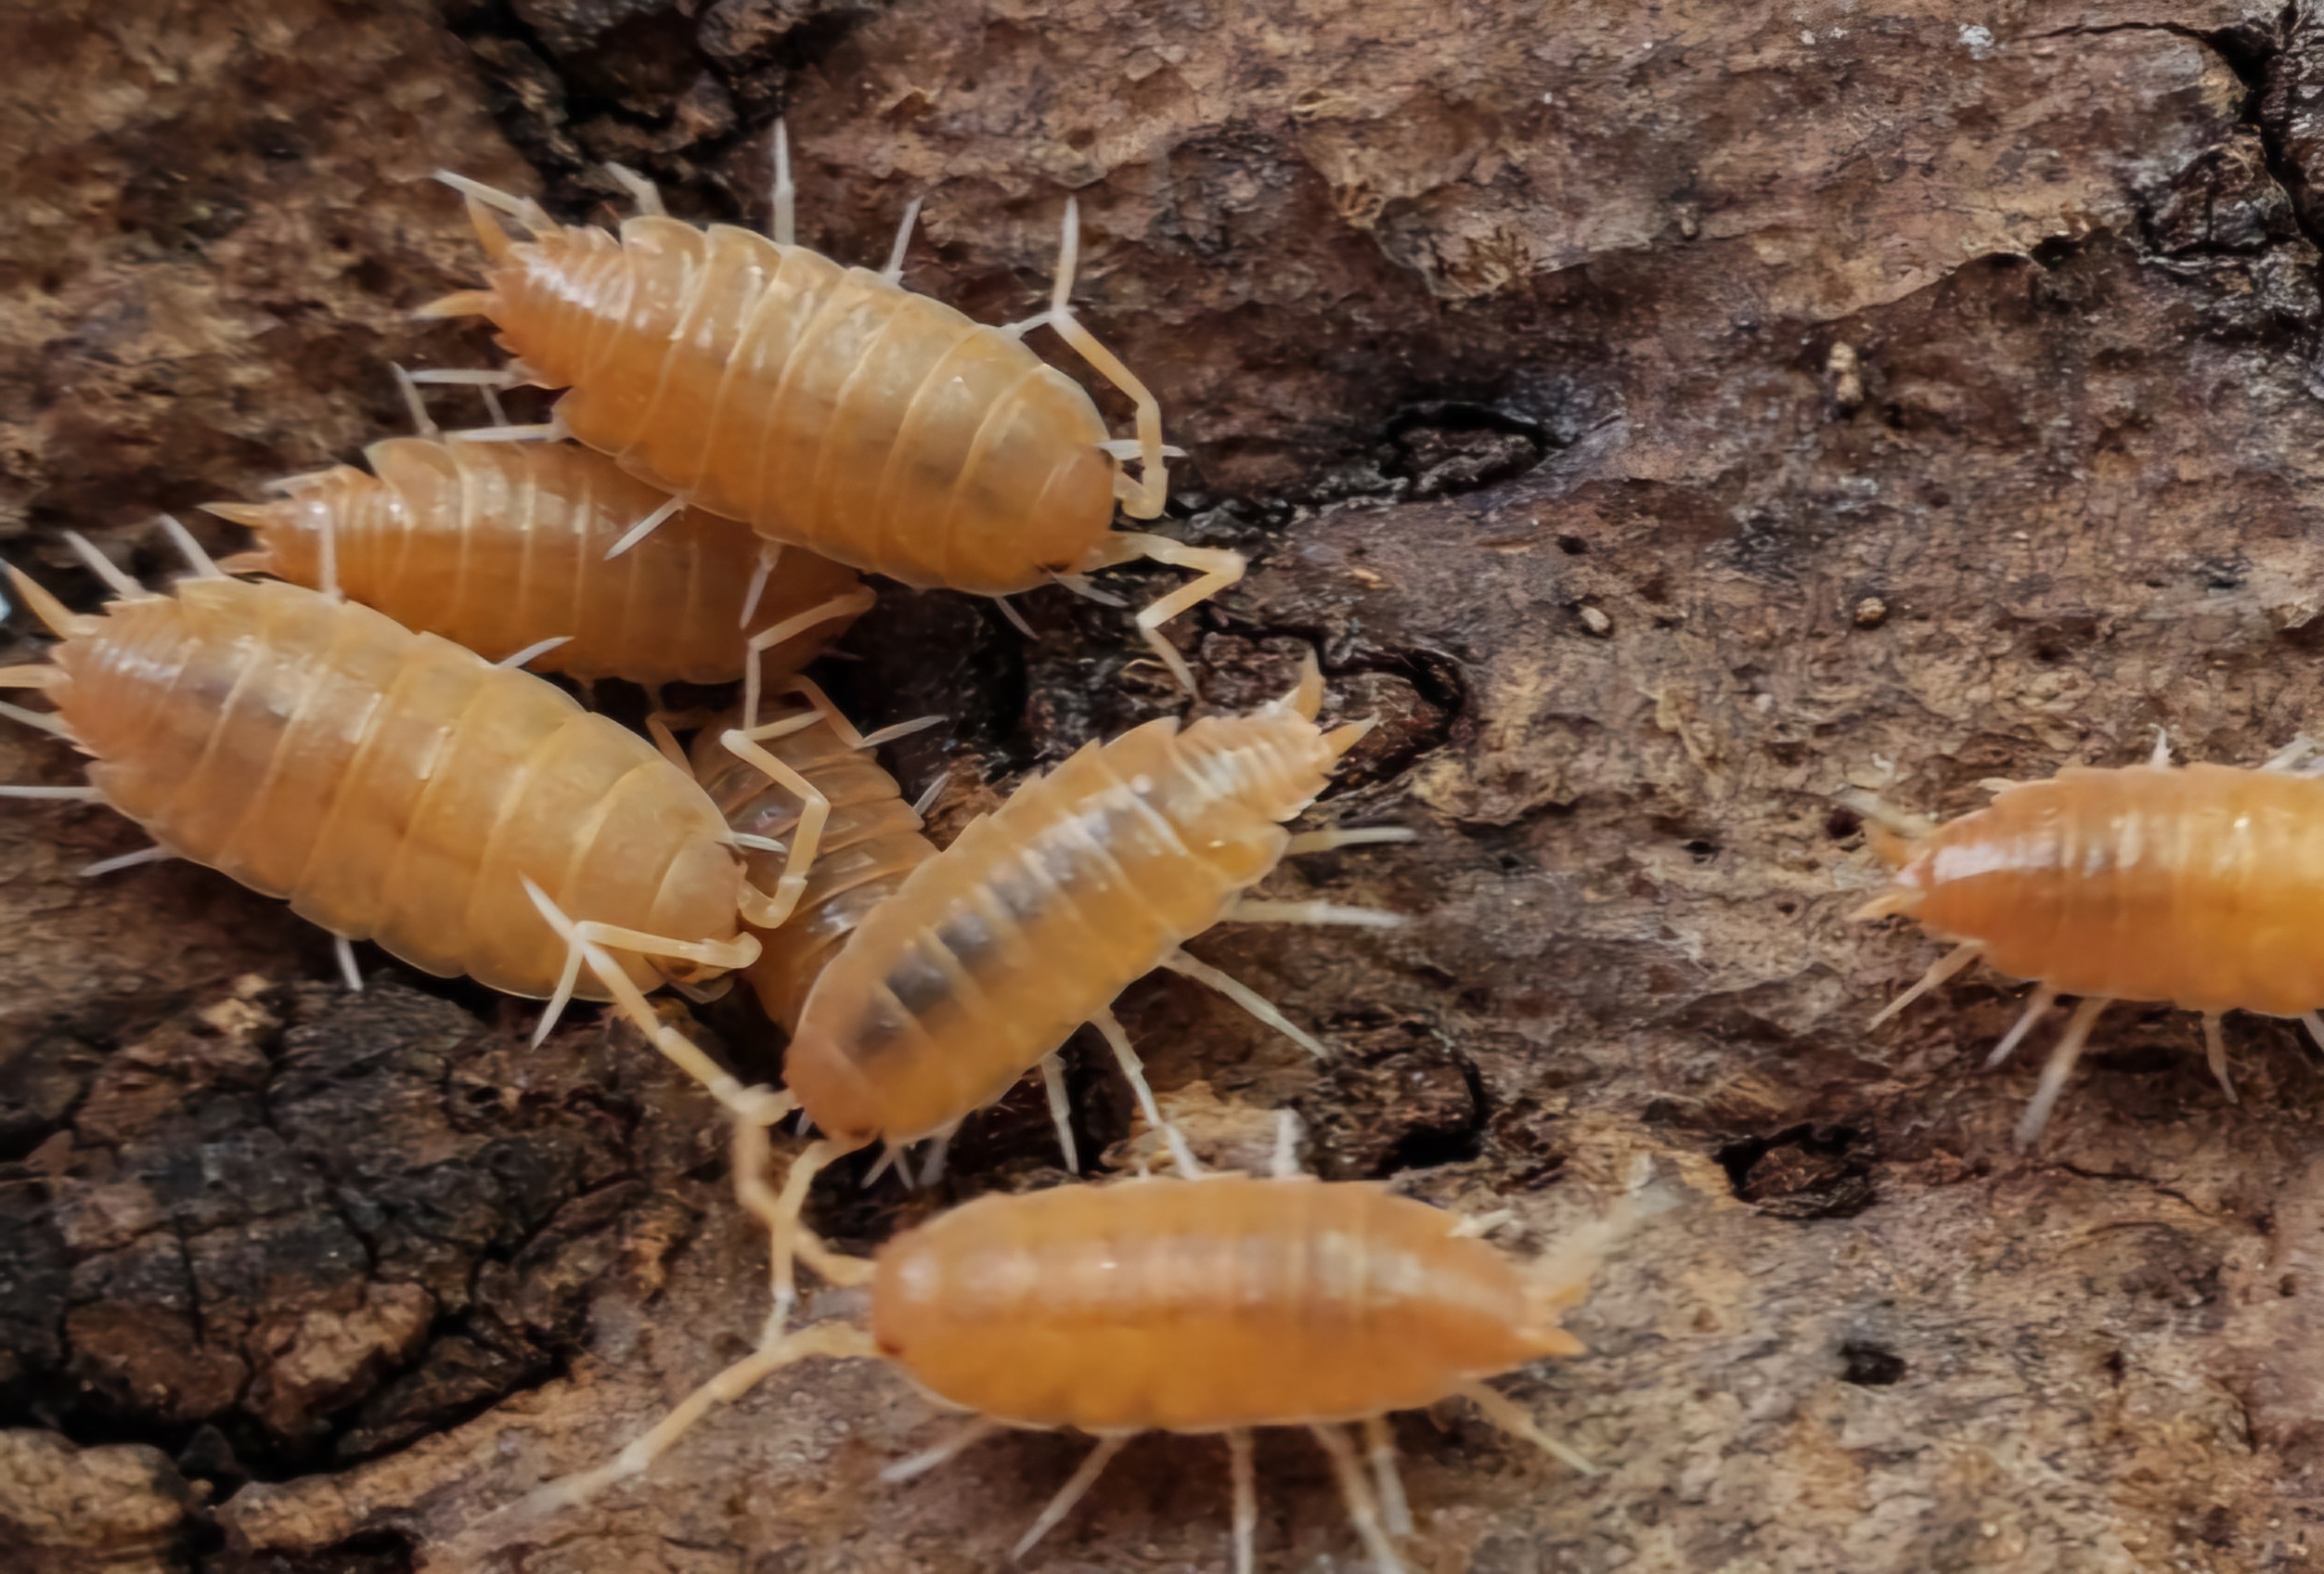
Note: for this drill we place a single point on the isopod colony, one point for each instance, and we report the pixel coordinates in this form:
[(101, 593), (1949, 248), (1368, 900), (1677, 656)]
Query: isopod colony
[(744, 426)]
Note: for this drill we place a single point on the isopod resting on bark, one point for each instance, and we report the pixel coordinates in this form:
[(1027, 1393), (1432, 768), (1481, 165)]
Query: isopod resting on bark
[(1212, 1305), (501, 547), (398, 788), (828, 407), (2195, 885)]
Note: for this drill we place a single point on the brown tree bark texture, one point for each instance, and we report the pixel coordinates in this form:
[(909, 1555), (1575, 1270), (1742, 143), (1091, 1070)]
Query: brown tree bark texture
[(1664, 418)]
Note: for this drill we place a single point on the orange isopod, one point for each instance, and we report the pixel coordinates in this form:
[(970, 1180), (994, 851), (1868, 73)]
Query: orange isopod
[(396, 787), (990, 954), (1210, 1305), (503, 548), (867, 847), (2193, 885), (827, 406)]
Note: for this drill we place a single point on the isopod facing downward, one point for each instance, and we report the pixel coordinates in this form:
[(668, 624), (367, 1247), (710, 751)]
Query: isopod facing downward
[(2195, 885), (501, 547), (1214, 1305)]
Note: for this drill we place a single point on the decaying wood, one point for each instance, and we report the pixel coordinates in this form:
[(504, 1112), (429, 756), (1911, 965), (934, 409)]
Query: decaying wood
[(1665, 419)]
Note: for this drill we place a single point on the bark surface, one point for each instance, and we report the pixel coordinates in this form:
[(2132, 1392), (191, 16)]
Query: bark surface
[(1664, 419)]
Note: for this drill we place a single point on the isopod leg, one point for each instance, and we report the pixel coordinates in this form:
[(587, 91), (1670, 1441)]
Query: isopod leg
[(857, 600), (516, 659), (1246, 1482), (2043, 997), (2215, 1048), (2059, 1067), (894, 272), (784, 227), (1254, 910), (583, 947), (33, 675), (843, 730), (1939, 970), (118, 582), (768, 912), (53, 725), (1109, 1026), (127, 860), (1357, 1493), (2294, 754), (2314, 1026), (1285, 1163), (1379, 1446), (1327, 841), (1060, 1108), (932, 1168), (1218, 568), (960, 1441), (1242, 995), (1499, 1409), (2160, 759), (645, 527), (787, 1240), (1145, 498), (643, 194), (834, 1339), (1070, 1493), (770, 554), (344, 949)]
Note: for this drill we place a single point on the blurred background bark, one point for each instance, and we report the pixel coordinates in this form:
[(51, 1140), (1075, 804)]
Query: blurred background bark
[(1663, 418)]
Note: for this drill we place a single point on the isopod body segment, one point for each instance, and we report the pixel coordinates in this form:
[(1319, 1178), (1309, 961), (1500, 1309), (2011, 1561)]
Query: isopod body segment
[(2193, 885), (499, 546)]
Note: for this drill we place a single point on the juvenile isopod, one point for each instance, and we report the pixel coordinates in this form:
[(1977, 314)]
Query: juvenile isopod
[(398, 788), (2195, 885), (828, 407), (1213, 1305), (501, 547)]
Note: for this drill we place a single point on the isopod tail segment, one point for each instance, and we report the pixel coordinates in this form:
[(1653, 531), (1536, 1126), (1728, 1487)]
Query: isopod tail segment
[(942, 1298)]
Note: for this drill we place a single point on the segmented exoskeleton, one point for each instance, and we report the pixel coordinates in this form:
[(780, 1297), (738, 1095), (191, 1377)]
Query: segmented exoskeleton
[(1211, 1305), (827, 406), (502, 547), (2195, 885), (398, 788)]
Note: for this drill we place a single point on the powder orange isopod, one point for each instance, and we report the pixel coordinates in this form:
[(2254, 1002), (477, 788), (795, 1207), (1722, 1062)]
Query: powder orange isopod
[(1213, 1305), (2194, 885), (503, 548), (828, 407), (398, 788)]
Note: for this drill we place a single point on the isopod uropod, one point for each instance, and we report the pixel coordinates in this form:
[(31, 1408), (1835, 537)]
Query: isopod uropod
[(826, 405), (1210, 1305), (500, 548), (398, 788), (2195, 885)]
